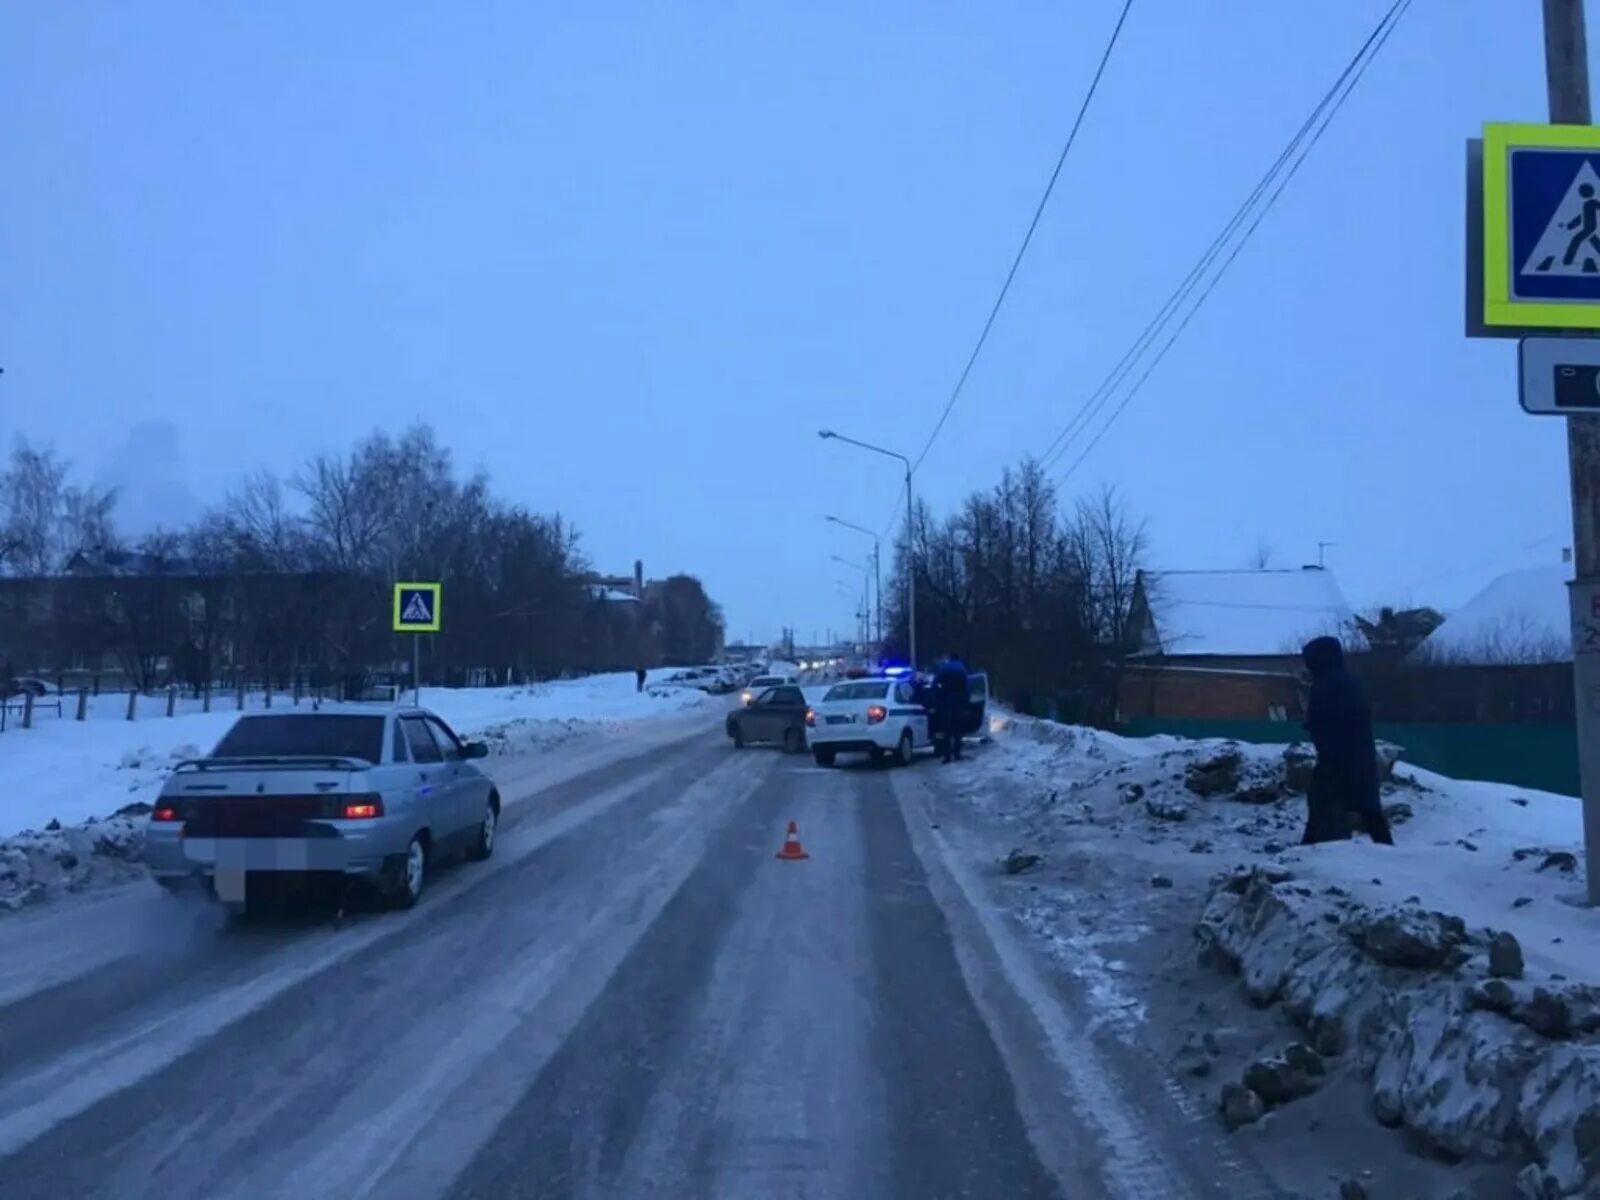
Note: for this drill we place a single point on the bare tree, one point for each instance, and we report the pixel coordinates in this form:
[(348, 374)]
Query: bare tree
[(1107, 546), (30, 509), (1041, 601), (1261, 556), (259, 524)]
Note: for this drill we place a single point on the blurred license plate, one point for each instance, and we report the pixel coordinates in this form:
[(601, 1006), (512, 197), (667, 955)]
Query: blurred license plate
[(838, 720)]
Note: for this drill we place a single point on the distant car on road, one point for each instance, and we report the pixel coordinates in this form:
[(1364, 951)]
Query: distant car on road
[(872, 716), (361, 792), (703, 679), (777, 714), (761, 683)]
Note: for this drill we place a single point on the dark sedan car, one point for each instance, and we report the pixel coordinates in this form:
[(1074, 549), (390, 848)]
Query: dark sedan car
[(777, 714)]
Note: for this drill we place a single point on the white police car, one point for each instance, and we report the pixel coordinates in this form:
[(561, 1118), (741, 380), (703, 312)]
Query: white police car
[(871, 716)]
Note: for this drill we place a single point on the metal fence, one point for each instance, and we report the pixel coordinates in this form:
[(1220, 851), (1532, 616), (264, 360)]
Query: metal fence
[(24, 711)]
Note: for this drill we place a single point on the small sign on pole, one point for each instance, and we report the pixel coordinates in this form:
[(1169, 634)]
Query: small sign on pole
[(1533, 247), (1559, 376), (417, 609)]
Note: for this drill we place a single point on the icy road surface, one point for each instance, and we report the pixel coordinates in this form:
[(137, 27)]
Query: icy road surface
[(633, 998)]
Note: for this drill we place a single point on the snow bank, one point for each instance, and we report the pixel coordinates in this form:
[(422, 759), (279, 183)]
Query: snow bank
[(1380, 954), (1480, 1066), (69, 771)]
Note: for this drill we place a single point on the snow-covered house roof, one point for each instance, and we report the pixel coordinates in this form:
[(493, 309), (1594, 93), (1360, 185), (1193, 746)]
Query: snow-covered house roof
[(610, 595), (1521, 617), (1238, 613)]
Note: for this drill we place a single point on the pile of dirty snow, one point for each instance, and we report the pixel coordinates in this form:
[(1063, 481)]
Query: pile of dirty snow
[(1451, 976), (42, 865)]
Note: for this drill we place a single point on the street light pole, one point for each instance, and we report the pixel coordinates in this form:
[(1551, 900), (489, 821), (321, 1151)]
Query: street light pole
[(877, 567), (911, 553)]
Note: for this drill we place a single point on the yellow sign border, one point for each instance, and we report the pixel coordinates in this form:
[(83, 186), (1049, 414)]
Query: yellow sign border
[(437, 590), (1499, 139)]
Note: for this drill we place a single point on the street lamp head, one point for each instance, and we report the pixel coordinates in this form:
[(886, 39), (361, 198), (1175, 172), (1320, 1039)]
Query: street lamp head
[(826, 433), (835, 520)]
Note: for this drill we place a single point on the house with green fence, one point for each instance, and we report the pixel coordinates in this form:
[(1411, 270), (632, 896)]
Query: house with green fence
[(1487, 695)]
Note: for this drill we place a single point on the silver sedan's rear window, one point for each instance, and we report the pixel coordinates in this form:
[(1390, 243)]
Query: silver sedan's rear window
[(346, 736)]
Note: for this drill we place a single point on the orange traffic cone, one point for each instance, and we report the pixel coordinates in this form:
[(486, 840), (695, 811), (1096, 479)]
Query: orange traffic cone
[(792, 849)]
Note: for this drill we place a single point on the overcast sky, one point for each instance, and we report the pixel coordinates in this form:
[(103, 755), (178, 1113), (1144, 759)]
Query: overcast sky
[(629, 257)]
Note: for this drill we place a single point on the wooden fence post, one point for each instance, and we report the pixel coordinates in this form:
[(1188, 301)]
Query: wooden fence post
[(27, 710), (241, 693), (172, 699), (83, 704), (205, 697), (133, 701)]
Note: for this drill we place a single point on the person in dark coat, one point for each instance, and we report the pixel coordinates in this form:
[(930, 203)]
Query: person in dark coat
[(638, 676), (951, 692), (1344, 783)]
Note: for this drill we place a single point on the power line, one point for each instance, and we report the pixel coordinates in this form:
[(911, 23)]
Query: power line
[(1316, 125), (1125, 364), (1027, 238)]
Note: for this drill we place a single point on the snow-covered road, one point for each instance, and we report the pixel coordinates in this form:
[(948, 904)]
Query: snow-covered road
[(634, 997)]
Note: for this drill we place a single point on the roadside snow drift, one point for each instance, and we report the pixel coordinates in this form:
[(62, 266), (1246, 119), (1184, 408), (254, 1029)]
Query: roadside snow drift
[(1453, 971)]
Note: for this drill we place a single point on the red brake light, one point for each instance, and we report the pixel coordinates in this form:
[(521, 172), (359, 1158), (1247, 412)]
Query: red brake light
[(811, 717), (165, 812), (876, 713), (363, 809)]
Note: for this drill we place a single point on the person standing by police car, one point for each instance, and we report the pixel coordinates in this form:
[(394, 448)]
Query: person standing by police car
[(951, 697)]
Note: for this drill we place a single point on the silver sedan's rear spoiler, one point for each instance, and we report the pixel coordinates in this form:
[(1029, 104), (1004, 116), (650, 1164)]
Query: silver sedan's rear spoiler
[(276, 762)]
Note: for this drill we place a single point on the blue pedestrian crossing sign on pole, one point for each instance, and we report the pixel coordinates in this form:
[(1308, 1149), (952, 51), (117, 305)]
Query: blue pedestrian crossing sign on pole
[(416, 607), (1541, 226)]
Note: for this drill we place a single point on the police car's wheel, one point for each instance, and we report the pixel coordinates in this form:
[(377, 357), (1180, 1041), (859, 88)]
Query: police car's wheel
[(902, 750)]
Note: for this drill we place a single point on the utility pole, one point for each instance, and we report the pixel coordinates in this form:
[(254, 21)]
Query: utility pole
[(1566, 68)]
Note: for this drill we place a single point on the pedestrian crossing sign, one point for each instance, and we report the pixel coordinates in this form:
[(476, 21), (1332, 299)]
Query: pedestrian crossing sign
[(416, 607), (1541, 226)]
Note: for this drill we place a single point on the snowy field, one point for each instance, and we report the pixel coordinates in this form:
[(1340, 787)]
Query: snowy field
[(69, 771)]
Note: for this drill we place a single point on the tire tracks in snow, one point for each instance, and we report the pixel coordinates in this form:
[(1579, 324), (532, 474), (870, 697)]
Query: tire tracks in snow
[(160, 1035)]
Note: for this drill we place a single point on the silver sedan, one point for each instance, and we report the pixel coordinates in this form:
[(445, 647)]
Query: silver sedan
[(367, 792)]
